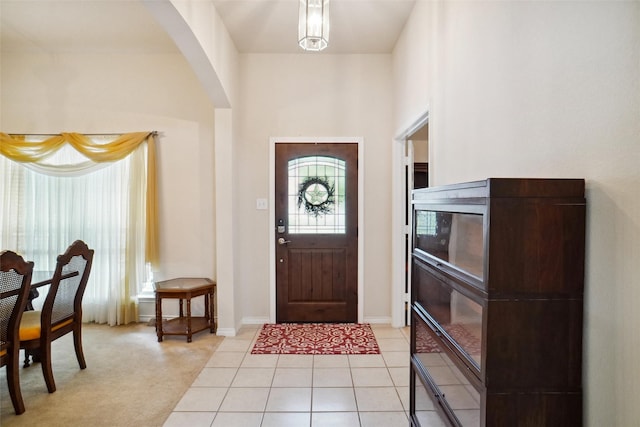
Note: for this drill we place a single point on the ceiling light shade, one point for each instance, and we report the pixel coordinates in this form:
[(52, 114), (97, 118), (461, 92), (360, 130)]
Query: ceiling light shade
[(313, 25)]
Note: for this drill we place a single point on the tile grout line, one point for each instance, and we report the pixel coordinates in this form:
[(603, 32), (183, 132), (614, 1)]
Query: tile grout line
[(314, 367)]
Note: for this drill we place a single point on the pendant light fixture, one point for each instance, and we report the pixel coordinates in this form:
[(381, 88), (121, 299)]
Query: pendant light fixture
[(313, 26)]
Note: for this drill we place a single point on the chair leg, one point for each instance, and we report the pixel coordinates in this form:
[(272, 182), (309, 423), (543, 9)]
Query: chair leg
[(27, 356), (77, 343), (13, 381), (47, 371), (31, 355)]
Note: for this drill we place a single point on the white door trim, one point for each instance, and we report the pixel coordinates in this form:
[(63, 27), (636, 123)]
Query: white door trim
[(272, 213), (398, 228)]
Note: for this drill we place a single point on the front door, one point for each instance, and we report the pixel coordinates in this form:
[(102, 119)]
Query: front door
[(316, 212)]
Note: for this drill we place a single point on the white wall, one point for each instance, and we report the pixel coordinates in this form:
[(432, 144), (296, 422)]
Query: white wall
[(213, 43), (310, 95), (548, 89), (197, 29), (111, 93), (412, 68)]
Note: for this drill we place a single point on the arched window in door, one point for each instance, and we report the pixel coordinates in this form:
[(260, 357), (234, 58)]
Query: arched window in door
[(316, 193)]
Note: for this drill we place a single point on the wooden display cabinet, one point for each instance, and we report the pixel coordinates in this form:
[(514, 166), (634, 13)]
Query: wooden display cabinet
[(497, 300)]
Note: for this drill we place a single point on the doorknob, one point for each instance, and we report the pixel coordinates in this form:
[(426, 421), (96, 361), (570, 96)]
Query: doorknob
[(281, 241)]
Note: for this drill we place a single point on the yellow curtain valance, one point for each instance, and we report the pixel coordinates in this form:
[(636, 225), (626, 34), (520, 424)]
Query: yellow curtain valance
[(18, 149)]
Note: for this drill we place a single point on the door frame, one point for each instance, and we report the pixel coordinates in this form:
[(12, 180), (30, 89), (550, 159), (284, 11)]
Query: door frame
[(272, 213), (399, 254)]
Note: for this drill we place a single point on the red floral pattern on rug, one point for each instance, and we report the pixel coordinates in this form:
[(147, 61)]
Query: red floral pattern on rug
[(316, 338)]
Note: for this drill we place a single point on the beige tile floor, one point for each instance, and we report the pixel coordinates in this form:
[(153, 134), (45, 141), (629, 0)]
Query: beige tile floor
[(236, 388)]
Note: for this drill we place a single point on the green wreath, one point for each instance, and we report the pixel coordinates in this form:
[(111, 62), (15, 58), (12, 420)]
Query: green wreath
[(317, 196)]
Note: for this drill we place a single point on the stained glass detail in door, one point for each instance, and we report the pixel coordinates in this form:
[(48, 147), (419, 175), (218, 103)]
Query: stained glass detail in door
[(316, 195)]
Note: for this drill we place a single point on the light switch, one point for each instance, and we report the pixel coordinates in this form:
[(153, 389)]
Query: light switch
[(262, 204)]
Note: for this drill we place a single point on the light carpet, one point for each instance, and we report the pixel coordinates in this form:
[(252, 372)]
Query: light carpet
[(131, 379), (316, 338)]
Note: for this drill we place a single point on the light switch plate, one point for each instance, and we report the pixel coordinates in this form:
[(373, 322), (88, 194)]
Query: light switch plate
[(262, 204)]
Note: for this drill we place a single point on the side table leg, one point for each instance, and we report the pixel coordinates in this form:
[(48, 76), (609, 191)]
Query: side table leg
[(159, 316), (212, 326), (206, 309), (189, 319)]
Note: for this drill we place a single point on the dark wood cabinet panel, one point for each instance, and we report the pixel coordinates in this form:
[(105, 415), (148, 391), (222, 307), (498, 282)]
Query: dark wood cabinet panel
[(497, 302)]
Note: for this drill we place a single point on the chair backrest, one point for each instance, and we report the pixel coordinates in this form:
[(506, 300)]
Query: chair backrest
[(15, 284), (64, 299)]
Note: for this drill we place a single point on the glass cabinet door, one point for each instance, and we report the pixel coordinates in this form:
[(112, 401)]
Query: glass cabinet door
[(423, 409), (459, 317), (460, 398), (456, 238)]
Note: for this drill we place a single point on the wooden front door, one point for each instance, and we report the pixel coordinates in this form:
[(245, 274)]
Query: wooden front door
[(316, 212)]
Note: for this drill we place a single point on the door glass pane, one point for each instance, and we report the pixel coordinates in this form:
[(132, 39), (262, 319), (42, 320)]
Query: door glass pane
[(316, 195)]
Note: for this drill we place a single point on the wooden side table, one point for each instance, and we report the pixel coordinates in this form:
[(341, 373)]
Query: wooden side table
[(185, 288)]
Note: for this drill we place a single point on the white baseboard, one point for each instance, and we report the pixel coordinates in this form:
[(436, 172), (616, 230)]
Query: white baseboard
[(255, 320), (262, 320), (378, 320), (226, 332), (144, 318), (231, 332)]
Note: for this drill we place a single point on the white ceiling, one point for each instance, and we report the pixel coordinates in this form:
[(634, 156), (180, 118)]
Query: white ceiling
[(256, 26)]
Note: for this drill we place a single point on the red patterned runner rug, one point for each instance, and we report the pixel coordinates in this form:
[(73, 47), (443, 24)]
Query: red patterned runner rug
[(316, 338)]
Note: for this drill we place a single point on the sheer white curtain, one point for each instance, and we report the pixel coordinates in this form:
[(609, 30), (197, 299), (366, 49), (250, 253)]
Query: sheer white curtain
[(45, 209)]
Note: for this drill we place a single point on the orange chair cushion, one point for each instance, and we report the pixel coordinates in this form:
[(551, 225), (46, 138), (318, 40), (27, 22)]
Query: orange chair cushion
[(30, 326), (3, 352)]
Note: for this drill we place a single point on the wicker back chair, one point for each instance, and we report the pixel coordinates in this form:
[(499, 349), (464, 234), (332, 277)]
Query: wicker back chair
[(15, 284), (62, 310)]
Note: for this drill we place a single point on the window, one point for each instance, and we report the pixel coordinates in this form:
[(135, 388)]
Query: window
[(317, 195), (44, 211), (426, 223)]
